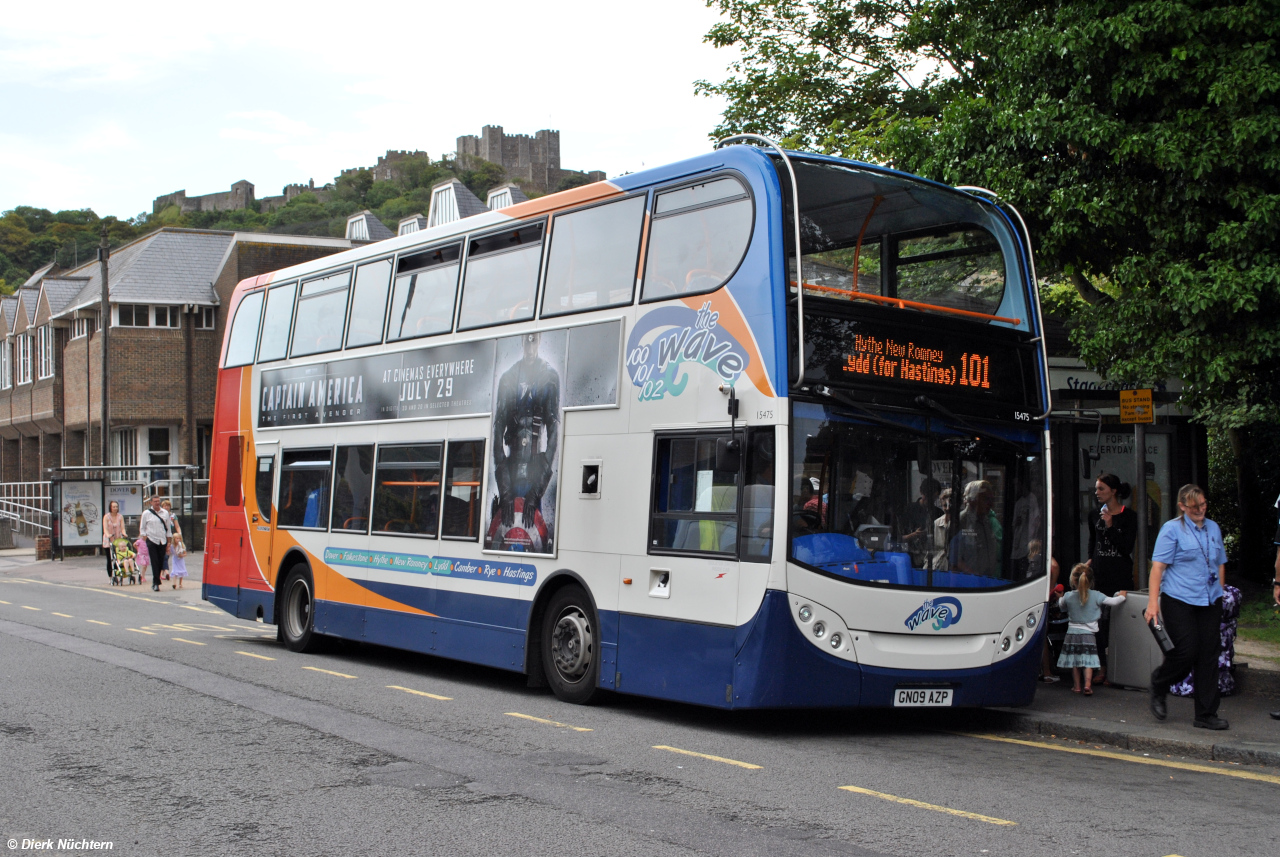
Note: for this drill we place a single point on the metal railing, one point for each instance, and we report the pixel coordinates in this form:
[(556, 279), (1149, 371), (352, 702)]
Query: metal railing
[(194, 503), (27, 505)]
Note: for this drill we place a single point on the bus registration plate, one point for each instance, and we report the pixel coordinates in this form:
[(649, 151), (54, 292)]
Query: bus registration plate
[(921, 697)]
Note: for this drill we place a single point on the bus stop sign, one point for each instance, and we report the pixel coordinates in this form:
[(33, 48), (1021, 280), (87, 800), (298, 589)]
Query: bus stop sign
[(1135, 407)]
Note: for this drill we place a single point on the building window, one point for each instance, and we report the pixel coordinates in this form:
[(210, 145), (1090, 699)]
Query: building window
[(81, 327), (124, 451), (167, 316), (6, 365), (44, 351), (206, 317), (133, 315), (24, 359)]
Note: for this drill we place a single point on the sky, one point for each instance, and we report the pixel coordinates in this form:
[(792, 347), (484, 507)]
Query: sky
[(108, 107)]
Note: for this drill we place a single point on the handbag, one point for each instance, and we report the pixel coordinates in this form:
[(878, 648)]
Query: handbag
[(1162, 636), (106, 540)]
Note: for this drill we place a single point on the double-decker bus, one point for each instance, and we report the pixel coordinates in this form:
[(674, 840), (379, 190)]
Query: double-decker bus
[(755, 429)]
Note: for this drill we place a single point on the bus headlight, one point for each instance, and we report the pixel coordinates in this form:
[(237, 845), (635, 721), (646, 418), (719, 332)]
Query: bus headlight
[(836, 641), (1004, 644), (1031, 620), (819, 629), (806, 613), (1019, 634)]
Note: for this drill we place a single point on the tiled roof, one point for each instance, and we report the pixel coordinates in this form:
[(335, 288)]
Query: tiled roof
[(365, 226), (62, 291), (9, 306), (33, 282), (30, 301), (168, 266)]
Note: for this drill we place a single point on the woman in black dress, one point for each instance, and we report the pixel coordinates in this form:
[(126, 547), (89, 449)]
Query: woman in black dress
[(1113, 529)]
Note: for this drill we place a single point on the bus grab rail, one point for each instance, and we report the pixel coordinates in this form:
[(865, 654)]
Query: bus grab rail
[(902, 303), (795, 207)]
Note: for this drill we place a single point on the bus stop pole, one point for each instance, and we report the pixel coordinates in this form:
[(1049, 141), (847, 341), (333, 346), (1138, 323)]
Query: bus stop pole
[(1140, 501)]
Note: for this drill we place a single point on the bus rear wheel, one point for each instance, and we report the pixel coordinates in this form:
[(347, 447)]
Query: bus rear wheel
[(571, 646), (297, 619)]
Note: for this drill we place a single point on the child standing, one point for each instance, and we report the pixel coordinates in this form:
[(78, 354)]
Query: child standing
[(1084, 608)]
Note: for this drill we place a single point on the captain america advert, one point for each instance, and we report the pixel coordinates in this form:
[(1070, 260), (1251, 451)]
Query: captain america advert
[(525, 450)]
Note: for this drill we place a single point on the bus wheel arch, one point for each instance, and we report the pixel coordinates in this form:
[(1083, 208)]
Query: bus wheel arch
[(567, 634), (297, 610), (294, 557), (556, 581)]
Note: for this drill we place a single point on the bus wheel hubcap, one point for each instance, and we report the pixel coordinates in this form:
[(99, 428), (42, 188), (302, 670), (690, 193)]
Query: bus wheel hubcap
[(571, 644), (301, 609)]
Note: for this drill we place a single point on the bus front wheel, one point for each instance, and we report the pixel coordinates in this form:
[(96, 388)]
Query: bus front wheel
[(298, 619), (571, 646)]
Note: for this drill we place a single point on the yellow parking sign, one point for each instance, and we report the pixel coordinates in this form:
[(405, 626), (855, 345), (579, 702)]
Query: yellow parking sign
[(1135, 407)]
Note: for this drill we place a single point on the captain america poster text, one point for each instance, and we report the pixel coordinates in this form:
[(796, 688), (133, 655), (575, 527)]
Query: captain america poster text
[(527, 434)]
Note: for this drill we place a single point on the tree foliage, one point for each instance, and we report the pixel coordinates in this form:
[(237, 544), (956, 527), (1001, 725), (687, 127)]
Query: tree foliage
[(1140, 138)]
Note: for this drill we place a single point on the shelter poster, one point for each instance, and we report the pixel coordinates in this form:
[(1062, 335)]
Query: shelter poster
[(524, 452), (80, 506)]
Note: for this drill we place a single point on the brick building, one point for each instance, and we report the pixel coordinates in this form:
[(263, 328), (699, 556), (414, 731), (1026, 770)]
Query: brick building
[(166, 291)]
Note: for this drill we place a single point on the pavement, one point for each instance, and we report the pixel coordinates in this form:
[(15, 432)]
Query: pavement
[(1114, 716)]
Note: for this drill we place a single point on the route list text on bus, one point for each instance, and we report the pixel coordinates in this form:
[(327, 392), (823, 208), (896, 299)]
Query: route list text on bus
[(888, 358)]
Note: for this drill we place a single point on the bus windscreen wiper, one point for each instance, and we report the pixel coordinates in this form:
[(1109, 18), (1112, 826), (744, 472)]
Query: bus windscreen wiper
[(865, 414), (961, 422)]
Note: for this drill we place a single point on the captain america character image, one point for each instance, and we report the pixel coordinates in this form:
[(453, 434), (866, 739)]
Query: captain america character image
[(526, 437)]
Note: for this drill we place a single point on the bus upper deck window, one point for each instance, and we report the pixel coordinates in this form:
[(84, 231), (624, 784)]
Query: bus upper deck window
[(423, 300), (592, 259), (244, 330), (698, 237), (276, 322), (502, 277), (322, 314), (962, 269), (369, 303)]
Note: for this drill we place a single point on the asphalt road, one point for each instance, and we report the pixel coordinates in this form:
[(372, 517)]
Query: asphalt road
[(168, 727)]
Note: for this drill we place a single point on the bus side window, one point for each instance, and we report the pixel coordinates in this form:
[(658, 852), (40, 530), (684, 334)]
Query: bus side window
[(304, 488), (463, 474), (695, 506), (757, 496), (425, 292), (322, 315), (244, 331), (406, 499), (263, 483), (502, 277), (354, 473), (698, 237), (276, 322), (592, 259), (369, 303)]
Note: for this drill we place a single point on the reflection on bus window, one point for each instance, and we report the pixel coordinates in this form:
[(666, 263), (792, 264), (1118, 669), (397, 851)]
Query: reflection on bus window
[(757, 496), (244, 331), (369, 303), (322, 314), (698, 237), (926, 504), (303, 500), (263, 482), (276, 323), (353, 474), (695, 503), (422, 303), (502, 277), (407, 493), (592, 259), (465, 469), (962, 269)]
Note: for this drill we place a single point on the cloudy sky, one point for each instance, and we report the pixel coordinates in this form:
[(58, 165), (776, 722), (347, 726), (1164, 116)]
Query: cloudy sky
[(107, 108)]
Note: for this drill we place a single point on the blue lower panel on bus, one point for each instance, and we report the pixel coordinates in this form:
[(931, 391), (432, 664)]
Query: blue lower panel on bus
[(224, 597), (670, 659), (461, 606), (253, 600)]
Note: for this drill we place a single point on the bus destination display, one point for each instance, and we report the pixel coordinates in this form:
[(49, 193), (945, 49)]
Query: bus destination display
[(886, 357)]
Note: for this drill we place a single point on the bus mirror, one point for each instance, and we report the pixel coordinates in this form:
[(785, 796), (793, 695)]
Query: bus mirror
[(728, 455), (1086, 463)]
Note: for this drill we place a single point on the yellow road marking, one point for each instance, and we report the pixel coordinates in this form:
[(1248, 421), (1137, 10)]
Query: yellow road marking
[(7, 602), (747, 765), (140, 631), (252, 655), (192, 642), (328, 672), (64, 615), (419, 692), (25, 607), (1124, 757), (909, 802), (96, 622), (555, 723)]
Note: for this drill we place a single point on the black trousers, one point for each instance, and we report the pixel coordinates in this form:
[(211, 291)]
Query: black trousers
[(1197, 642), (156, 552)]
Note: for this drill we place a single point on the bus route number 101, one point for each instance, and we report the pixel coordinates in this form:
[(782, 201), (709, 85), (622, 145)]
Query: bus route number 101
[(975, 371)]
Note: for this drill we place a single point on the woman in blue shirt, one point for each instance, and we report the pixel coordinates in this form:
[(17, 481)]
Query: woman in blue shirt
[(1188, 571)]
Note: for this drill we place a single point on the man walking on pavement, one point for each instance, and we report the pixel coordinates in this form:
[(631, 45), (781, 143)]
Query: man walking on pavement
[(154, 528)]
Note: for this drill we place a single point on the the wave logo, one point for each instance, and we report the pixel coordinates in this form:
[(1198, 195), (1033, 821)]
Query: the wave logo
[(944, 612), (683, 336)]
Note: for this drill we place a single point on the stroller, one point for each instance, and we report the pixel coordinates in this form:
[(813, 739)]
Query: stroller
[(124, 568)]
